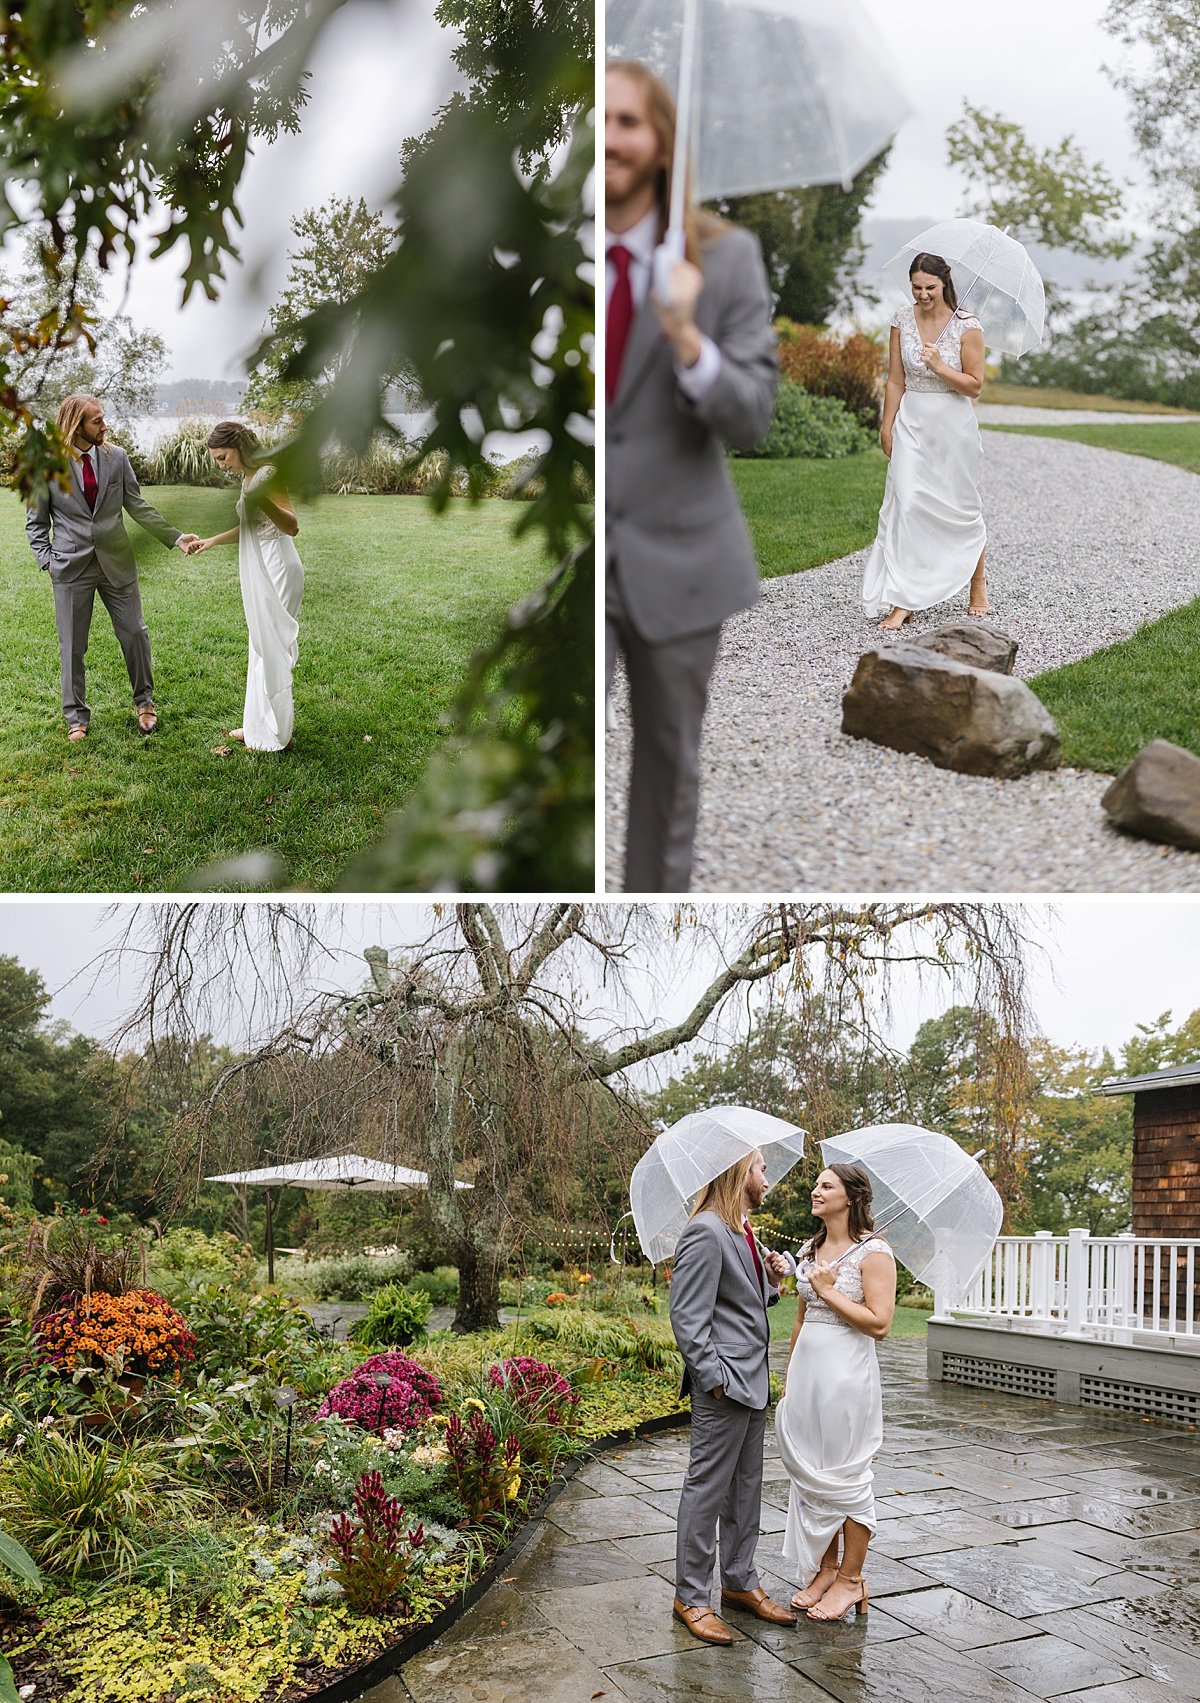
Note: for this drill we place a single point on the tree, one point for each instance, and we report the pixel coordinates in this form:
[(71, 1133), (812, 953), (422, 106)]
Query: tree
[(1053, 196), (487, 298), (342, 246), (810, 240), (114, 361), (472, 1057), (1080, 1168)]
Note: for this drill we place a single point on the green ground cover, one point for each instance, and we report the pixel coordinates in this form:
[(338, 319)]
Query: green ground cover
[(396, 600), (804, 513), (1178, 444), (1026, 396)]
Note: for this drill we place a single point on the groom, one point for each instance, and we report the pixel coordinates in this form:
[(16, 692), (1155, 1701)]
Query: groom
[(78, 536), (720, 1293), (685, 375)]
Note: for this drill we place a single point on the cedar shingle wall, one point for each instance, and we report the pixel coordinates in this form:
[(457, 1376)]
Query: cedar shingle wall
[(1166, 1163)]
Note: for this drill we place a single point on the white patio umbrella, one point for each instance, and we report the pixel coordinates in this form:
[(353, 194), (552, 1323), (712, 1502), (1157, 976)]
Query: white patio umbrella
[(671, 1173), (993, 277), (771, 94), (938, 1210), (339, 1171)]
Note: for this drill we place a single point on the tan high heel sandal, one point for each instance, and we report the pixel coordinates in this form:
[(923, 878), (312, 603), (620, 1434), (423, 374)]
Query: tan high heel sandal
[(859, 1607)]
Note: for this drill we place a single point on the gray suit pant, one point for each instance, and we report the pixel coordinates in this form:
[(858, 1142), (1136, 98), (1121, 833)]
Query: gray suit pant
[(723, 1485), (74, 600), (668, 694)]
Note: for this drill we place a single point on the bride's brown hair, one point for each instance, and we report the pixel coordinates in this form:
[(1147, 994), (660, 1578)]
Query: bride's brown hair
[(232, 434), (857, 1185)]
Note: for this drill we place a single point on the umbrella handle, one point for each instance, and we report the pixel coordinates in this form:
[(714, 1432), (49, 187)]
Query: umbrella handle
[(668, 253), (612, 1240)]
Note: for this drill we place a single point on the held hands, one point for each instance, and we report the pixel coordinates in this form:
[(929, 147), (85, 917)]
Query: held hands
[(198, 546), (187, 542)]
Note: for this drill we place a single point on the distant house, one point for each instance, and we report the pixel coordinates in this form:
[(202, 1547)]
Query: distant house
[(1166, 1150)]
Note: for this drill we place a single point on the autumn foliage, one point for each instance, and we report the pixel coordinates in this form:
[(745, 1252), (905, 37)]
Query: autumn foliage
[(849, 368)]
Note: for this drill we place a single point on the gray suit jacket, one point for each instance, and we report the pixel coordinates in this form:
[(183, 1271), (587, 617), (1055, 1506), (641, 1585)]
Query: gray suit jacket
[(719, 1312), (676, 537), (64, 534)]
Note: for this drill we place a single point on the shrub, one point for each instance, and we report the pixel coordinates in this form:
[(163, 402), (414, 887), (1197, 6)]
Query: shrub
[(80, 1508), (850, 369), (522, 481), (387, 1392), (440, 1284), (525, 1291), (342, 1277), (236, 1334), (377, 1561), (395, 1318), (486, 1471), (184, 1256), (816, 428), (137, 1333)]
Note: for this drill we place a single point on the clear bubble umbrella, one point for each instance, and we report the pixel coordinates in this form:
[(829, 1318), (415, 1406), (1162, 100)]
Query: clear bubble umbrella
[(939, 1212), (772, 94), (669, 1176), (993, 277)]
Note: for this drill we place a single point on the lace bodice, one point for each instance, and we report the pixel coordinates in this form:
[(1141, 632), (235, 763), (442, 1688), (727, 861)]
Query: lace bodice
[(917, 375), (848, 1282), (261, 521)]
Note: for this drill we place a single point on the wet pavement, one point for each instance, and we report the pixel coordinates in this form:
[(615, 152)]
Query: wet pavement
[(1025, 1550)]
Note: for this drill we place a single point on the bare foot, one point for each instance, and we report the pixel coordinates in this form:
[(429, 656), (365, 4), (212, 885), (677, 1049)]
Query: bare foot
[(238, 734), (977, 597), (895, 620), (815, 1589)]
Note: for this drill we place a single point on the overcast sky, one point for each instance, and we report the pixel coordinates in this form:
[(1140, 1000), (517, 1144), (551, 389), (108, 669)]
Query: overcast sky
[(1103, 965), (1037, 62), (383, 71)]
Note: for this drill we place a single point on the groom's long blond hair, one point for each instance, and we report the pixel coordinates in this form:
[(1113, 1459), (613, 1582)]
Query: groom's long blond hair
[(700, 226), (726, 1194), (70, 413)]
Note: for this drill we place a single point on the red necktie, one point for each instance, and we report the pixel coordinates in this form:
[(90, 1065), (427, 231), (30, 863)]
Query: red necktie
[(754, 1255), (620, 318), (89, 482)]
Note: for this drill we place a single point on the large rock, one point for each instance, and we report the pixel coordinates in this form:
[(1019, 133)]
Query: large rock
[(972, 642), (968, 719), (1158, 796)]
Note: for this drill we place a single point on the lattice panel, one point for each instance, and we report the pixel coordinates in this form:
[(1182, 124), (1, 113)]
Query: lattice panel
[(999, 1375), (1114, 1396)]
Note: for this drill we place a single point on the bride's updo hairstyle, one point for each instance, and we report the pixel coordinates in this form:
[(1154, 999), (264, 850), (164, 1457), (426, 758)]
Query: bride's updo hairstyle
[(936, 268), (231, 434), (853, 1178)]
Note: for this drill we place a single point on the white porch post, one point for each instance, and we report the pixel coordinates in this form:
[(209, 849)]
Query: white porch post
[(1077, 1281), (1123, 1307)]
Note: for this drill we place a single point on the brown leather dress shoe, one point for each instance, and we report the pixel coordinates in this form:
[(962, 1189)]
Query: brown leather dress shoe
[(759, 1603), (702, 1623), (147, 718)]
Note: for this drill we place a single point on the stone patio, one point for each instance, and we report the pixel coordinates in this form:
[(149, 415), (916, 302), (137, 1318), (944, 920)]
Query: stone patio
[(1025, 1550)]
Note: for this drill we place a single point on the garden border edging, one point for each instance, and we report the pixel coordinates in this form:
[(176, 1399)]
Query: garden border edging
[(352, 1686)]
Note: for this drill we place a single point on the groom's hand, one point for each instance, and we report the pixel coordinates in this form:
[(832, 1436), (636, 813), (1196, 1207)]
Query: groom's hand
[(677, 313), (778, 1266), (185, 542)]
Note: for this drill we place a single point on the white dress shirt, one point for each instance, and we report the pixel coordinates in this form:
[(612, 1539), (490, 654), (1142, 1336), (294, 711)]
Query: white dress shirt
[(641, 240)]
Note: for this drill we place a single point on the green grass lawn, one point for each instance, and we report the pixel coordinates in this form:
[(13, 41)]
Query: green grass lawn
[(396, 600), (908, 1322), (1027, 396), (804, 513), (1178, 444)]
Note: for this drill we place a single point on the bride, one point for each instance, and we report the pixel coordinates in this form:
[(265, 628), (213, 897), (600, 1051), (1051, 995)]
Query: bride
[(829, 1424), (931, 537), (272, 577)]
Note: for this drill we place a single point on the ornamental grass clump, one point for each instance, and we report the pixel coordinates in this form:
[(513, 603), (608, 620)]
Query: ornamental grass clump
[(486, 1472), (378, 1562), (387, 1392), (136, 1334)]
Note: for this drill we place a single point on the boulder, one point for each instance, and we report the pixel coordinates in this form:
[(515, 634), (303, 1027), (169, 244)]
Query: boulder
[(968, 719), (972, 642), (1158, 796)]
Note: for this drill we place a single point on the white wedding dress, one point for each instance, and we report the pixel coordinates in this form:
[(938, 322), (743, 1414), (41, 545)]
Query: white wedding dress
[(931, 531), (829, 1425), (272, 577)]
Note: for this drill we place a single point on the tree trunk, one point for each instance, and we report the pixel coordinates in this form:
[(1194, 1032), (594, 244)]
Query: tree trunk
[(478, 1289)]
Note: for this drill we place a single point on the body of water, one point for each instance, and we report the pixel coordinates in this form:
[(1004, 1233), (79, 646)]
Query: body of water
[(150, 429)]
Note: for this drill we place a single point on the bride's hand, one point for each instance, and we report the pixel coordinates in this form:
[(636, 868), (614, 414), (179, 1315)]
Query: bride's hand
[(885, 442), (931, 355), (200, 546), (822, 1277)]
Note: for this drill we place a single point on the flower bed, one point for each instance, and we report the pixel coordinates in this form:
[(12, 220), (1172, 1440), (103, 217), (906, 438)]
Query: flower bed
[(278, 1515)]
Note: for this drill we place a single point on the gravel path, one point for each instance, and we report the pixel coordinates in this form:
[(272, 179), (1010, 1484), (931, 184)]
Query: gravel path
[(1084, 547), (1006, 414)]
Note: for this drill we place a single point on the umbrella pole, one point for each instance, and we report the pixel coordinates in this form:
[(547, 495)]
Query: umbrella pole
[(270, 1238), (674, 242)]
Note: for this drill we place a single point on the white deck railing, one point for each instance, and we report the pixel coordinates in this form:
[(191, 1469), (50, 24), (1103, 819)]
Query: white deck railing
[(1115, 1288)]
